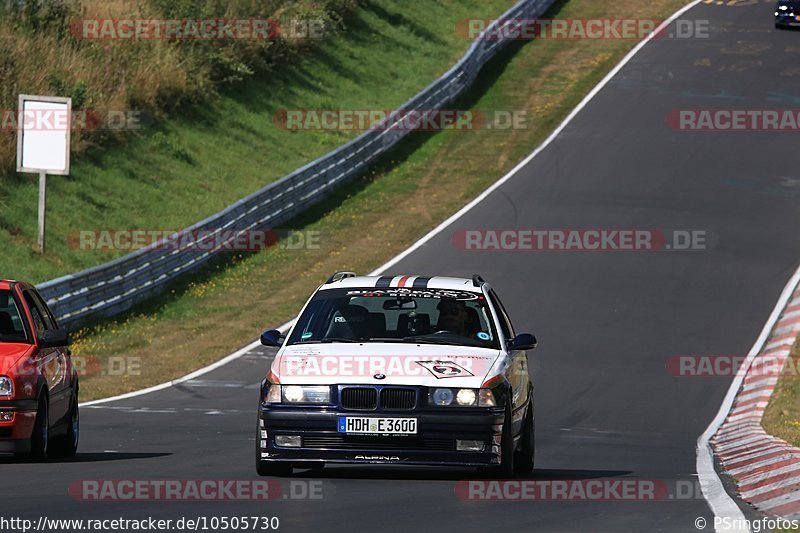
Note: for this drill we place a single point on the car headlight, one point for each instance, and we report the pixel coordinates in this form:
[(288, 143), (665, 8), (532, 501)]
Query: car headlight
[(313, 394), (441, 397), (6, 386), (461, 397), (466, 397)]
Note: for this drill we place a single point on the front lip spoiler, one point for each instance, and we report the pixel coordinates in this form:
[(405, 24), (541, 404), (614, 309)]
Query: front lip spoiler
[(20, 405), (400, 463), (484, 424)]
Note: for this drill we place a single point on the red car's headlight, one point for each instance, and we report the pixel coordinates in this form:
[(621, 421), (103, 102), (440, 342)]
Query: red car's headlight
[(6, 386)]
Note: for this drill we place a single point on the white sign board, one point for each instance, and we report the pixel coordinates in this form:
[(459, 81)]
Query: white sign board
[(43, 134)]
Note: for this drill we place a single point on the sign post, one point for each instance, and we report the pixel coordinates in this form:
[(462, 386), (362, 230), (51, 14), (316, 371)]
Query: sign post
[(43, 134)]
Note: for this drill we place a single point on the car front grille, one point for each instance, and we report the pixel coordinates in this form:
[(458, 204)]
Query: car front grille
[(341, 442), (392, 398), (359, 398)]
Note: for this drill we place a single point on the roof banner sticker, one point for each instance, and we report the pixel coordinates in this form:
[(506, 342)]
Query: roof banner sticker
[(416, 293)]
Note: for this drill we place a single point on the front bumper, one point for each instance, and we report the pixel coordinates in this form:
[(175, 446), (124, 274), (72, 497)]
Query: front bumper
[(434, 444), (787, 21), (15, 434)]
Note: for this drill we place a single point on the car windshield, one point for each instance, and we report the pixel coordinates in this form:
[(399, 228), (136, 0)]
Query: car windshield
[(12, 328), (425, 316)]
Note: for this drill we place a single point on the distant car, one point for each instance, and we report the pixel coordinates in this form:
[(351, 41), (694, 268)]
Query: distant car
[(38, 384), (403, 370), (787, 14)]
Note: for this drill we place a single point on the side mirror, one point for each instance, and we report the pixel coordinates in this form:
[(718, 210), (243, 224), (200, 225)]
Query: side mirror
[(54, 338), (523, 341), (271, 337)]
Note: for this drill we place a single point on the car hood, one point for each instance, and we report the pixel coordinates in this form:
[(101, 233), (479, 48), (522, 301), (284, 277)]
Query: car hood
[(10, 354), (384, 364)]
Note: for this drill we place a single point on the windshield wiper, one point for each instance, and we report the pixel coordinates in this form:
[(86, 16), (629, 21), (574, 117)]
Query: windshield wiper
[(428, 340), (328, 340)]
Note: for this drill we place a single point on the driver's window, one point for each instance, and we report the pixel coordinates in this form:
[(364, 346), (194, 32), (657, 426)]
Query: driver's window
[(38, 319), (49, 319)]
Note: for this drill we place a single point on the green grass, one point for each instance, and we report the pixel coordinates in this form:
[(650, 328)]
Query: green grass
[(424, 180), (782, 416), (194, 164)]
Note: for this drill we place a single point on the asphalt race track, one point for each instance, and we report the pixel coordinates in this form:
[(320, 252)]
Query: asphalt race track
[(607, 321)]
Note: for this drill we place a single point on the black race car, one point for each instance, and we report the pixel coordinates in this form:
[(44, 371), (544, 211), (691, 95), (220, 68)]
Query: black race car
[(787, 14)]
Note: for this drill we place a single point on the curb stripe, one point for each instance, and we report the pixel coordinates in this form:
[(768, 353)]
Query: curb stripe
[(766, 468)]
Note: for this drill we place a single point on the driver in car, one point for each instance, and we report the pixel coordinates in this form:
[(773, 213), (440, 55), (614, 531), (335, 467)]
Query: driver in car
[(453, 317)]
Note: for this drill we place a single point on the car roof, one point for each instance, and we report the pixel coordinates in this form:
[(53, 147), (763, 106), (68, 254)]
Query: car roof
[(416, 282), (5, 284)]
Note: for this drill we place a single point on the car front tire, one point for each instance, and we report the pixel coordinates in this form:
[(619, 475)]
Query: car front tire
[(40, 438), (526, 452), (506, 467), (67, 445)]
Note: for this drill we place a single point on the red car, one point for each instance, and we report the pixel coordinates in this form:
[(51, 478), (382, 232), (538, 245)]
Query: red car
[(38, 384)]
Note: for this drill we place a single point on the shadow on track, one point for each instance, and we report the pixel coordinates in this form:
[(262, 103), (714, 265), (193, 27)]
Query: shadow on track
[(93, 457), (444, 474)]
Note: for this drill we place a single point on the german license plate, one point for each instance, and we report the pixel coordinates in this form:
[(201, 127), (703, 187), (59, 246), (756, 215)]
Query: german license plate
[(361, 425)]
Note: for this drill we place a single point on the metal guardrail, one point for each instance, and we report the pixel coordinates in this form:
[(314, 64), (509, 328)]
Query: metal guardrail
[(118, 285)]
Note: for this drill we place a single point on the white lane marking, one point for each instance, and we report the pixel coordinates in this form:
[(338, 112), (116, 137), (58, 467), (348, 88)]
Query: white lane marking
[(710, 482), (212, 383)]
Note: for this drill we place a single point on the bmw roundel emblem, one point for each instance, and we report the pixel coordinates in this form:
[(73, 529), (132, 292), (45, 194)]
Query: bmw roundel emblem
[(379, 376)]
